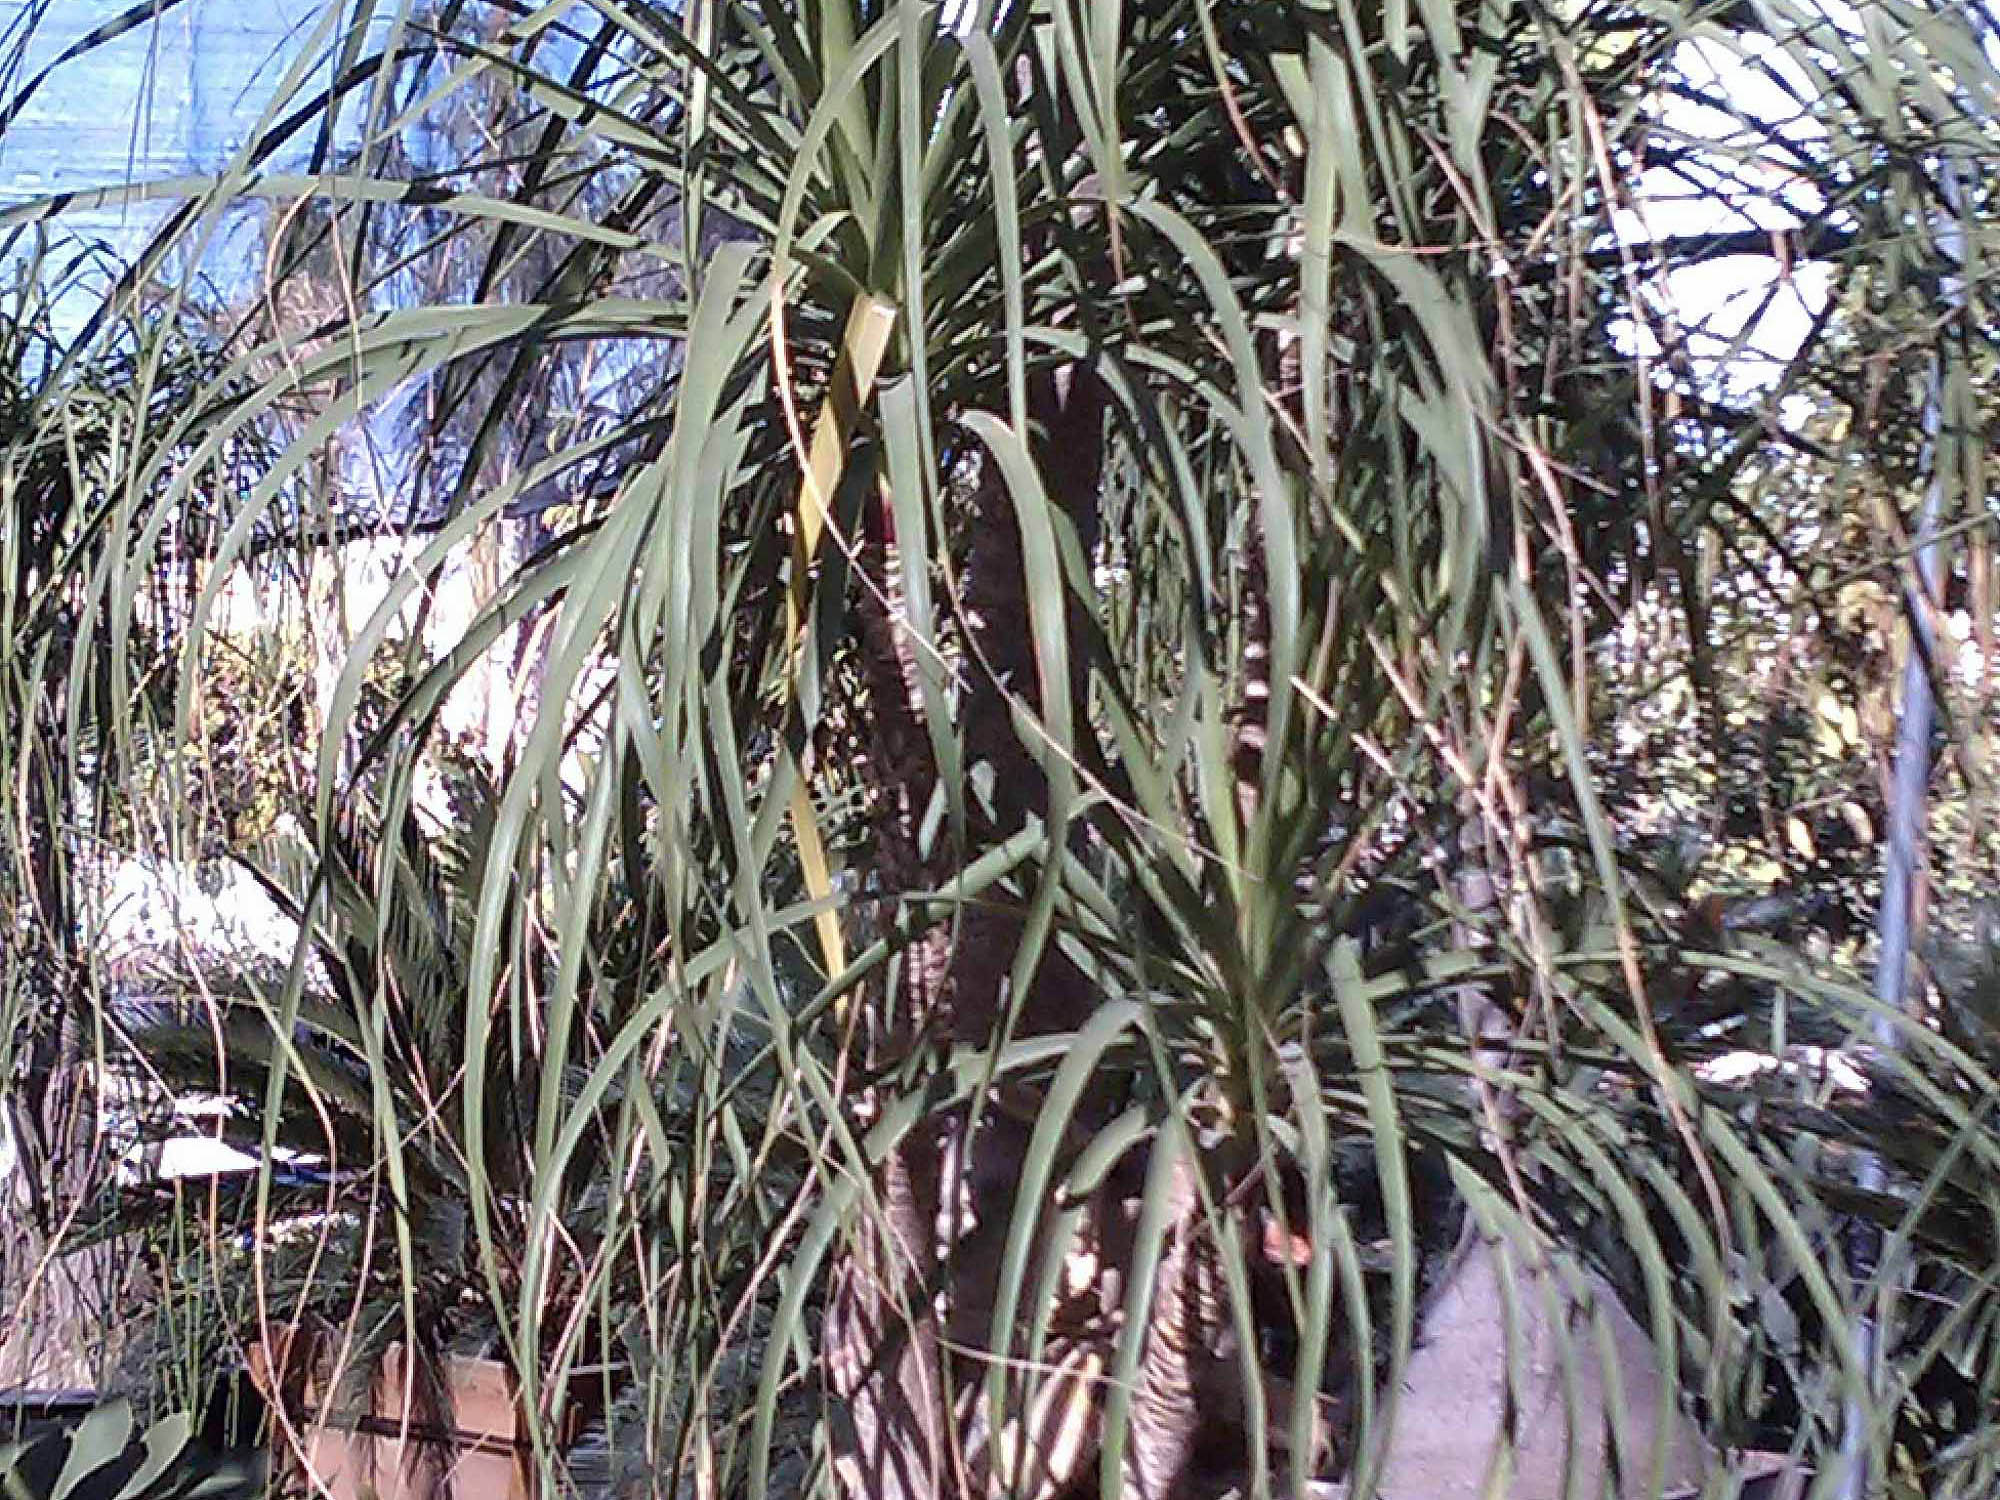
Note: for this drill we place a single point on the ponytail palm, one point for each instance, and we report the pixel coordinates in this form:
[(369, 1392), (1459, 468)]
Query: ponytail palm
[(1054, 859)]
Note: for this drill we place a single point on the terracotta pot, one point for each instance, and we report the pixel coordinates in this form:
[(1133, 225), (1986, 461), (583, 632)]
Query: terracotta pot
[(346, 1451)]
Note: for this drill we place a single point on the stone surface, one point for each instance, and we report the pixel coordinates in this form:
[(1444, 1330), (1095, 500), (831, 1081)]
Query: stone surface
[(1447, 1441)]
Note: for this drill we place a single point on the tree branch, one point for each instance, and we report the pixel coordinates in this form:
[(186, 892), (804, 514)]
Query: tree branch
[(1818, 241)]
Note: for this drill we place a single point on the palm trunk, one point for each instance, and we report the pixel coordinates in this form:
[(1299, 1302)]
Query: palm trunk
[(896, 1434), (57, 1306)]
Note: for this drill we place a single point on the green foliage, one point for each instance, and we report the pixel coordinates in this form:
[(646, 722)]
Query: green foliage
[(105, 1457), (1351, 669)]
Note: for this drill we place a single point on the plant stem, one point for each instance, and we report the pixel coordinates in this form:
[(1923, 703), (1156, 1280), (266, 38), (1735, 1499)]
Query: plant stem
[(1903, 835)]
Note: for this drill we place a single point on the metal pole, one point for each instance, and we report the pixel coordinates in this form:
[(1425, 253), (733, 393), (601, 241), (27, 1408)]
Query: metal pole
[(1903, 835)]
